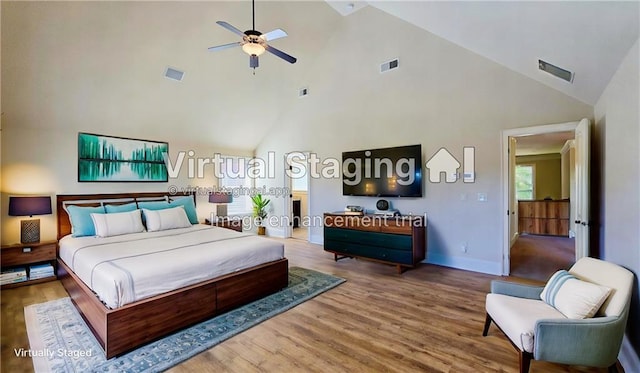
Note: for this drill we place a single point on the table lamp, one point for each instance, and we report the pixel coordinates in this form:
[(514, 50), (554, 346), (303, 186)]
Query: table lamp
[(29, 206), (221, 199)]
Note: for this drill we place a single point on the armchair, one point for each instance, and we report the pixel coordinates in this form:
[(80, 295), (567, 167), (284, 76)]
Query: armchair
[(541, 332)]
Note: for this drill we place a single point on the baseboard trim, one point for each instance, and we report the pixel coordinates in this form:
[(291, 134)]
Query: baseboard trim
[(514, 239), (468, 264), (628, 357), (317, 239)]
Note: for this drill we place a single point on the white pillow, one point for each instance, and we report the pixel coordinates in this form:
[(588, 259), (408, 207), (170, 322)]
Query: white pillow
[(159, 220), (118, 223), (576, 299)]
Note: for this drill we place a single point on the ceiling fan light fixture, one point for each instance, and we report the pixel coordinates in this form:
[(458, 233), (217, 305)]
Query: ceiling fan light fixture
[(252, 48)]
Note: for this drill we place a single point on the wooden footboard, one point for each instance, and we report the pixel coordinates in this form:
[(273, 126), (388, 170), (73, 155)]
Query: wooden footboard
[(128, 327)]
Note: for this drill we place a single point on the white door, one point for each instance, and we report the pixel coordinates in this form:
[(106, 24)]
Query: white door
[(583, 157), (513, 196)]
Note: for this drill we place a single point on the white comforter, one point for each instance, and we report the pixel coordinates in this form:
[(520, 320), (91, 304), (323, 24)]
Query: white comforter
[(128, 268)]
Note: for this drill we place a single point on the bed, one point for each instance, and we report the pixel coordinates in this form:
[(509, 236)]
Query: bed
[(121, 324)]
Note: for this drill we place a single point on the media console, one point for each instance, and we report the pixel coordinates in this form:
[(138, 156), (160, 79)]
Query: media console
[(399, 240)]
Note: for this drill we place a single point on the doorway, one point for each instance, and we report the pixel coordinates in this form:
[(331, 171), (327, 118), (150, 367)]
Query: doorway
[(543, 215), (297, 202), (544, 187)]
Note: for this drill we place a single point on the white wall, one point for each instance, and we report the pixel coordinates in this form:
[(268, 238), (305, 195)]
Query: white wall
[(42, 161), (618, 120), (441, 96), (617, 110)]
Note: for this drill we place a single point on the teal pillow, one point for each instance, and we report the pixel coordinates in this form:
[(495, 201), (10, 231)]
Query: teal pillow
[(81, 222), (127, 207), (154, 205), (189, 208)]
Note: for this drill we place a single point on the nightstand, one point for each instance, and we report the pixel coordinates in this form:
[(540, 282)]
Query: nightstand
[(229, 223), (27, 255)]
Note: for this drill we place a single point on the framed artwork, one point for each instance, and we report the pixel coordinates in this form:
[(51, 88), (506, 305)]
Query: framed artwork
[(119, 159)]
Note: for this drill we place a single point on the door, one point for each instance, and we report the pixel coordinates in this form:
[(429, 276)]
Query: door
[(582, 160)]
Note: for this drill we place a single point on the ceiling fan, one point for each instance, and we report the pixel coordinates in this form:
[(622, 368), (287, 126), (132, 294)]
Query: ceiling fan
[(254, 43)]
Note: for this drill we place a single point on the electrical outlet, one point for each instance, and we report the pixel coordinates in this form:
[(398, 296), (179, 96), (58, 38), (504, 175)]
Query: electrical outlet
[(482, 197), (464, 247)]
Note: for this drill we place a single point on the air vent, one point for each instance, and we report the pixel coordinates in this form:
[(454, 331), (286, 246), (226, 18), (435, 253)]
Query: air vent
[(393, 64), (555, 71), (303, 92), (174, 74)]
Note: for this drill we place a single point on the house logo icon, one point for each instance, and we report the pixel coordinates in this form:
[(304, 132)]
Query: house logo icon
[(444, 162)]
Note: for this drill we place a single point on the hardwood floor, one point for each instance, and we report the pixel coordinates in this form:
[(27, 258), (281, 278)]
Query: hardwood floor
[(428, 319), (300, 233), (538, 257)]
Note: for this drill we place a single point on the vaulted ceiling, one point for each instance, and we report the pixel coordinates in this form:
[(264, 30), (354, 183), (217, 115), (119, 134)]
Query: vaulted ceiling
[(102, 63), (589, 38)]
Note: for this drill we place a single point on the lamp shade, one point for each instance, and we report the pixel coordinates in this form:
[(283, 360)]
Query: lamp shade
[(28, 206), (253, 48), (218, 197)]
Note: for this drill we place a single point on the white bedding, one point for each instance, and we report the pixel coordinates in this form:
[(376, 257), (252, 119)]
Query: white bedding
[(128, 268)]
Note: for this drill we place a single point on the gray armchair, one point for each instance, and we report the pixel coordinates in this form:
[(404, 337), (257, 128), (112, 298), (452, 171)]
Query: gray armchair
[(539, 331)]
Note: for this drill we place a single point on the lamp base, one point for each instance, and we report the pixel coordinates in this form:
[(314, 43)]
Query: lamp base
[(221, 210), (30, 231)]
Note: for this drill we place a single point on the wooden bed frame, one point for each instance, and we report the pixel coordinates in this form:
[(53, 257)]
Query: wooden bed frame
[(125, 328)]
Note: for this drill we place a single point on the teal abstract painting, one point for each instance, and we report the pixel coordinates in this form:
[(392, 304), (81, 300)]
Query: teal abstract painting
[(118, 159)]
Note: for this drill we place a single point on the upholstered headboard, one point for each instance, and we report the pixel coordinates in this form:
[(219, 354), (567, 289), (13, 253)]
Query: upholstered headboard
[(64, 225)]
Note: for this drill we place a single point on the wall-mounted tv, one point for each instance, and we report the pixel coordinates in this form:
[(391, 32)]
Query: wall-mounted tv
[(387, 172)]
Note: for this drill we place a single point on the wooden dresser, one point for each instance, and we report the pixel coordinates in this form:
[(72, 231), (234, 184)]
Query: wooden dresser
[(400, 241), (544, 217)]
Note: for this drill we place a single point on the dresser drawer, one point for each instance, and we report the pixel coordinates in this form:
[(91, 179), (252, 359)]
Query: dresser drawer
[(366, 251), (17, 256), (393, 241)]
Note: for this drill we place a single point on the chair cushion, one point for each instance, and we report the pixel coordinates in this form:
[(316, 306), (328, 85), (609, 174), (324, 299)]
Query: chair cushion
[(517, 317), (576, 299)]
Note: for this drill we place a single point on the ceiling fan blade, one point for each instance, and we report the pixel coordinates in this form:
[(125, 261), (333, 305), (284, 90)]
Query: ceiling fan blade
[(273, 35), (230, 28), (224, 46), (280, 54)]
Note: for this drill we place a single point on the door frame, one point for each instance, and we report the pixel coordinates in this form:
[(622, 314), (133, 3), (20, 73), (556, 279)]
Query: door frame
[(506, 135)]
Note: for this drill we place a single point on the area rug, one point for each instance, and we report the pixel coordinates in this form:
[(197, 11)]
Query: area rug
[(60, 340)]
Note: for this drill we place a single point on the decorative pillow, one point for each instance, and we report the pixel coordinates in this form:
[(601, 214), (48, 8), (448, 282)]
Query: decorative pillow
[(189, 207), (115, 224), (159, 220), (110, 209), (154, 205), (80, 218), (576, 299)]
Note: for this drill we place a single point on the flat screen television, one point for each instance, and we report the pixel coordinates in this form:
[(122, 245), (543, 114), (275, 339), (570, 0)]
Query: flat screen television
[(387, 172)]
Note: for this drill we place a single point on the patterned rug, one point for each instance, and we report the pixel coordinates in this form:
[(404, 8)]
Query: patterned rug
[(60, 341)]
